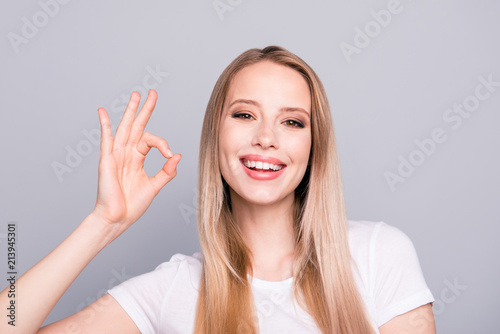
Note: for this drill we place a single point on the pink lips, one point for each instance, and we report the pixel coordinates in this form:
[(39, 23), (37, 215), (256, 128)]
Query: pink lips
[(258, 175)]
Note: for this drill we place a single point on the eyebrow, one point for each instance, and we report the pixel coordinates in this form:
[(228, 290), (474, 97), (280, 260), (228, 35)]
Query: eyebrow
[(255, 103)]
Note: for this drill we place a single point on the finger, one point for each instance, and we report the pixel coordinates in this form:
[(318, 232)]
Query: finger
[(149, 140), (123, 131), (106, 133), (143, 117), (167, 173)]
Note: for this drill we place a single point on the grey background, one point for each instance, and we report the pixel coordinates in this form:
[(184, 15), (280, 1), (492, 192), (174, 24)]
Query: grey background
[(396, 90)]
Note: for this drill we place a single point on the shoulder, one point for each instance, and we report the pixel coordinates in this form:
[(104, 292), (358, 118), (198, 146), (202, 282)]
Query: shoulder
[(367, 227), (377, 245), (182, 266), (179, 259), (379, 249), (387, 269), (157, 298), (363, 233)]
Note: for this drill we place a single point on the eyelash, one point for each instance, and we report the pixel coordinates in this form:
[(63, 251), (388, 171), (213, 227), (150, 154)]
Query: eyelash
[(298, 124)]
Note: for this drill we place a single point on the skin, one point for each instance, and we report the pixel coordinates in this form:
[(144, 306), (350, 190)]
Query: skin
[(125, 192), (259, 126), (416, 321)]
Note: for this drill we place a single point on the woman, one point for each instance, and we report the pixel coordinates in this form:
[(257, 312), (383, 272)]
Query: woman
[(274, 235)]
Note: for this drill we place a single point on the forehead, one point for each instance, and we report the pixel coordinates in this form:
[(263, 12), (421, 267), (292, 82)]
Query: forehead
[(270, 84)]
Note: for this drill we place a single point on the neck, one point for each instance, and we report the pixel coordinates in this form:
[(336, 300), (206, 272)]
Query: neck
[(268, 232)]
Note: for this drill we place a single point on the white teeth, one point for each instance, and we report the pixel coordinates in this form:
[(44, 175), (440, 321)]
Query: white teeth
[(261, 165)]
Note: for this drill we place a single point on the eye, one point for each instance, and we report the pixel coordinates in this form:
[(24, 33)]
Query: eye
[(294, 124), (242, 115)]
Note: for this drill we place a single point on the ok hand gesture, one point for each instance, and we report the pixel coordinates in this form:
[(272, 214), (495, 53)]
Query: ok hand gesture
[(125, 191)]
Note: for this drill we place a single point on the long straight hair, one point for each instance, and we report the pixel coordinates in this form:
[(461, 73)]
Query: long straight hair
[(323, 281)]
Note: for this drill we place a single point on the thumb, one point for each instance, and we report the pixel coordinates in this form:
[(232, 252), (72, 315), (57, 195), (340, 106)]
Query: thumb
[(167, 173)]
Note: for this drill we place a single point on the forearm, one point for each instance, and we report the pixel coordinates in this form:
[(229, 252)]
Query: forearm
[(124, 192), (39, 289)]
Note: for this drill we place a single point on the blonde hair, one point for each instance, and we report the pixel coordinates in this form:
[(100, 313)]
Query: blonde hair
[(322, 266)]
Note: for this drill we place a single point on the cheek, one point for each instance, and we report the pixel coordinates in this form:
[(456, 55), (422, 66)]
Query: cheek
[(229, 141), (300, 146), (225, 142), (232, 138), (223, 136)]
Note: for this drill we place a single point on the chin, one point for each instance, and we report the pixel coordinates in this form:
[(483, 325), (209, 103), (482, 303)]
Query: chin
[(263, 197)]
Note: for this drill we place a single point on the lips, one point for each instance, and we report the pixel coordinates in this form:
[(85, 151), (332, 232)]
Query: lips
[(261, 174)]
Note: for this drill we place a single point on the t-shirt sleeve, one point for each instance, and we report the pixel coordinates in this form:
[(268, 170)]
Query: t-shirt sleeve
[(399, 282), (142, 297)]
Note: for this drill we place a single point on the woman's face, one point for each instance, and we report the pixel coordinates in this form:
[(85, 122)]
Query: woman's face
[(265, 125)]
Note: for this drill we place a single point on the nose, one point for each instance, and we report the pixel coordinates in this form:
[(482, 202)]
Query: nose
[(265, 136)]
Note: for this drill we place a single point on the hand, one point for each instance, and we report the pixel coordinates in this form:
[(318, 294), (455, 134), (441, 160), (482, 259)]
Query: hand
[(125, 191)]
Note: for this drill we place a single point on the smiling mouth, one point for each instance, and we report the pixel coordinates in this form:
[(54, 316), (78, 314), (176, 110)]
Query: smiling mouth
[(259, 166)]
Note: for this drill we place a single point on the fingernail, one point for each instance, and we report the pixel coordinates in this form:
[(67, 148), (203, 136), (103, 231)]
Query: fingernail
[(169, 153)]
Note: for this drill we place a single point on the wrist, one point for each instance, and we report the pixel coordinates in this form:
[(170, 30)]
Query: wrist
[(101, 232)]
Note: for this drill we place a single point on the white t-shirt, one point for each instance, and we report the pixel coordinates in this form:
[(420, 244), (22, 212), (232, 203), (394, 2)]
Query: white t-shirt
[(389, 280)]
